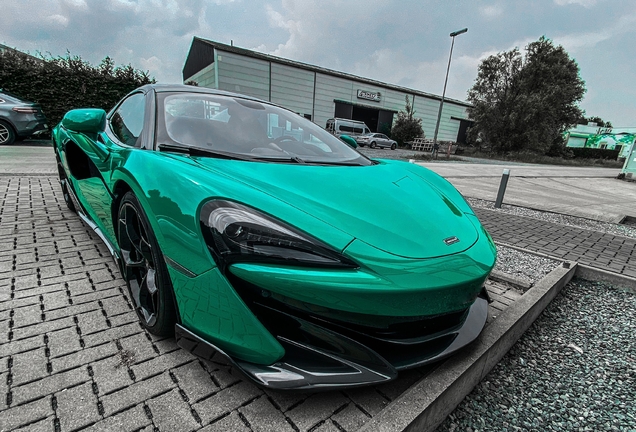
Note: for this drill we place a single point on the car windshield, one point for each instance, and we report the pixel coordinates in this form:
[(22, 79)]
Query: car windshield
[(244, 127)]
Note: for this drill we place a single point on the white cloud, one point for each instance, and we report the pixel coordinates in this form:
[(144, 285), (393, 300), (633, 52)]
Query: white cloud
[(584, 3), (403, 42), (80, 4), (58, 20), (492, 11), (577, 42), (152, 64)]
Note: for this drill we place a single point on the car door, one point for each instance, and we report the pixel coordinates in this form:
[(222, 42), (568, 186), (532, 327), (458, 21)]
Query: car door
[(378, 140), (386, 142), (123, 132)]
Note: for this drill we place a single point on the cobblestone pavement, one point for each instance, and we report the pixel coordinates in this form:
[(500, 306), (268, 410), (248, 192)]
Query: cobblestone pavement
[(73, 355), (604, 251)]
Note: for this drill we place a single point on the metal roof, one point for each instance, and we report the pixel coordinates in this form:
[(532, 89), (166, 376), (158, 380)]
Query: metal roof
[(192, 63)]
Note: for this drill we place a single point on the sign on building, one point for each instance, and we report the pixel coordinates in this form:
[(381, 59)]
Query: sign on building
[(372, 96)]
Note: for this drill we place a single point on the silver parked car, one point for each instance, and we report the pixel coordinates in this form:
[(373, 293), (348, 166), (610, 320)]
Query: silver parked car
[(19, 119), (374, 140)]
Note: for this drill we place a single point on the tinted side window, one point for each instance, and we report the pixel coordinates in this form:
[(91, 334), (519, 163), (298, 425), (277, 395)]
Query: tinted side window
[(128, 120)]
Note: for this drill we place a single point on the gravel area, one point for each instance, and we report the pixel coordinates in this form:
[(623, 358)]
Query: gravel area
[(606, 227), (574, 370), (527, 267)]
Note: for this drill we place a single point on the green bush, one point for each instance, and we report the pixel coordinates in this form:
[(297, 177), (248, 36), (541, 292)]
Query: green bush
[(406, 126), (595, 153), (64, 83)]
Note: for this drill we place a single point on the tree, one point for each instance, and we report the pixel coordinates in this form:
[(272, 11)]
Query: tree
[(599, 121), (406, 126), (526, 103)]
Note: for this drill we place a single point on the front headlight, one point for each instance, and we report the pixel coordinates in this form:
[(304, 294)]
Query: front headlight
[(238, 233)]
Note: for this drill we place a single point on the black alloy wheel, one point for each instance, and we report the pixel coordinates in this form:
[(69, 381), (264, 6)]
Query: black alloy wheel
[(7, 135), (393, 146), (144, 269), (64, 185), (372, 145)]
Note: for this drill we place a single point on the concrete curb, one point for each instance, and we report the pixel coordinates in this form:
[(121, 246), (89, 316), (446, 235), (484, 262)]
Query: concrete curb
[(426, 404), (598, 275), (505, 277), (626, 219), (31, 174), (587, 272)]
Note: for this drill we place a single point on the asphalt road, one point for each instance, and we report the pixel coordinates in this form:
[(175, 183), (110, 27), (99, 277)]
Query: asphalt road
[(580, 191), (28, 157), (589, 192)]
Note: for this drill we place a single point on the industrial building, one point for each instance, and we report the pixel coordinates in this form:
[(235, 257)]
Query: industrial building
[(318, 93)]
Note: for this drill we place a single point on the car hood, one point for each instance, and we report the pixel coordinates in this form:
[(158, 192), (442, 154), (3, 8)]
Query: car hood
[(385, 205)]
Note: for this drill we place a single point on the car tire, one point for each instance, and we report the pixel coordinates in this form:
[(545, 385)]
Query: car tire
[(372, 145), (7, 135), (65, 187), (393, 146), (144, 268)]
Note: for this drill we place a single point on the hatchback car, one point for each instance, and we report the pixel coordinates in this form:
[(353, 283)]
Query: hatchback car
[(374, 140), (19, 119), (240, 227)]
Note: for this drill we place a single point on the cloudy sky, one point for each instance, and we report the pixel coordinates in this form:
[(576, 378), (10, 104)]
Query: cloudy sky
[(403, 42)]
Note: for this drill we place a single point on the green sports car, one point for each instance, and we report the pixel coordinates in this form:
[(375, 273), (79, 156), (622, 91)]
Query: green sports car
[(248, 230)]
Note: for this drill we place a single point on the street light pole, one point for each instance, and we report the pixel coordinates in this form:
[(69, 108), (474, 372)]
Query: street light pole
[(441, 105)]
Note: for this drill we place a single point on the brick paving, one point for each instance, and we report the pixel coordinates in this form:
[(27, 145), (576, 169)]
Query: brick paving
[(608, 252), (74, 357)]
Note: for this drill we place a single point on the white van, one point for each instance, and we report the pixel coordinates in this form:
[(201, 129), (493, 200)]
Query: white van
[(338, 126)]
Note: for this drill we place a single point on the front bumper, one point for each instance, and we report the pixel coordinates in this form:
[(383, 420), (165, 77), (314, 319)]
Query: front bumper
[(321, 358), (345, 327)]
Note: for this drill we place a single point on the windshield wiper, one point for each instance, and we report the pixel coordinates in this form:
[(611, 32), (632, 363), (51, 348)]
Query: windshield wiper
[(295, 159), (335, 163), (199, 151)]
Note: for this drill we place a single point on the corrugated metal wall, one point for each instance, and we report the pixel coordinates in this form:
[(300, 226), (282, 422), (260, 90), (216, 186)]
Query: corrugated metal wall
[(206, 77), (294, 87), (243, 74), (329, 88)]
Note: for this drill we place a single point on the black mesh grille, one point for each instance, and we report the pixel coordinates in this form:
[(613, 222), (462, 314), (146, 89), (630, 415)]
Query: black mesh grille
[(403, 341)]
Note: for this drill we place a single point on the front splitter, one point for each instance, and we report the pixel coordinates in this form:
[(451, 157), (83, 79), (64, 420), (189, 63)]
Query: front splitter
[(311, 368)]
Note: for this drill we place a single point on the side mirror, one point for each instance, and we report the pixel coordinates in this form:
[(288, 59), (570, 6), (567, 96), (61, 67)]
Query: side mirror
[(85, 120), (349, 140)]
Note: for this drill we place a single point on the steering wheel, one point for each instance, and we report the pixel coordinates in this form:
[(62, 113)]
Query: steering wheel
[(282, 138)]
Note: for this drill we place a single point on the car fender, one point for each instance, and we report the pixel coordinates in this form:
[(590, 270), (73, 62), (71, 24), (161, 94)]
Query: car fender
[(173, 218)]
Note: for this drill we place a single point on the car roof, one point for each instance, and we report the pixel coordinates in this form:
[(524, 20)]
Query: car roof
[(11, 97), (168, 88), (163, 88)]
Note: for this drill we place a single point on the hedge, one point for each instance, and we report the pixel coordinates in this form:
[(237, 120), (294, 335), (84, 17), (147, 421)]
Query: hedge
[(64, 83), (595, 153)]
